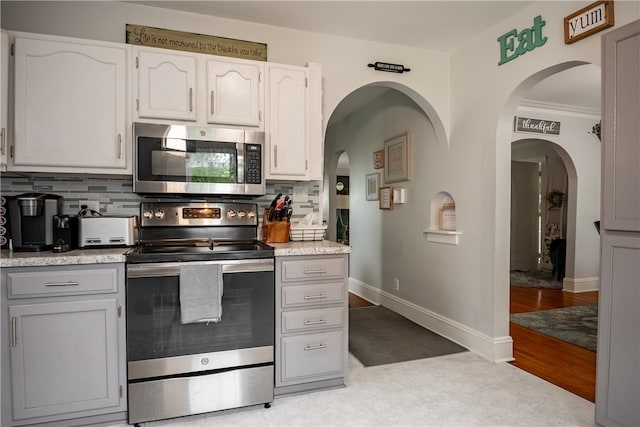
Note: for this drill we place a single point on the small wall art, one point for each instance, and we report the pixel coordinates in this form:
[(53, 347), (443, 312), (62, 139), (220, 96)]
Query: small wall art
[(397, 158), (378, 159), (386, 198), (373, 183)]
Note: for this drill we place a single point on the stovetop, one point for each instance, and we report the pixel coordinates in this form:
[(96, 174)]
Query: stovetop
[(195, 231), (199, 251)]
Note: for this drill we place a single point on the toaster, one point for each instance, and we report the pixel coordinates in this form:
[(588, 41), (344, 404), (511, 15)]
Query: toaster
[(101, 231)]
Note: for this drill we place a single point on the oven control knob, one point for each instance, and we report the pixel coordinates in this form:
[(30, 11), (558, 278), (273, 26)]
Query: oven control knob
[(251, 214), (204, 361), (231, 213), (147, 214), (242, 214), (159, 214)]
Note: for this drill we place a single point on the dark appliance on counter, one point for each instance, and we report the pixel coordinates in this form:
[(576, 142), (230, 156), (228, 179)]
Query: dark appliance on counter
[(65, 233), (222, 358), (177, 159), (31, 220)]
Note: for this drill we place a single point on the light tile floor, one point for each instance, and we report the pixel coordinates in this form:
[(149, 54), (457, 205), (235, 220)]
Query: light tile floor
[(462, 389)]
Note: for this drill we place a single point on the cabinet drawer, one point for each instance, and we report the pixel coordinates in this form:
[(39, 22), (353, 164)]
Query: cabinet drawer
[(312, 319), (67, 281), (312, 355), (313, 269), (326, 293)]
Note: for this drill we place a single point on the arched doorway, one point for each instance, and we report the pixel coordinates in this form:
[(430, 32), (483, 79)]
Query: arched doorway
[(579, 153), (359, 126), (543, 192)]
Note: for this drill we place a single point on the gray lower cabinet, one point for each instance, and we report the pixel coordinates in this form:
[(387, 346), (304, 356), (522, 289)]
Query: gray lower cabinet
[(311, 322), (63, 345)]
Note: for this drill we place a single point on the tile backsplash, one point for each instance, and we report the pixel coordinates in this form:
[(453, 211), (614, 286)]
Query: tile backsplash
[(116, 196)]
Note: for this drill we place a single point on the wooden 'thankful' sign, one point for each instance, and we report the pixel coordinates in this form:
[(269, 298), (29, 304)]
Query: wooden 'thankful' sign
[(198, 43)]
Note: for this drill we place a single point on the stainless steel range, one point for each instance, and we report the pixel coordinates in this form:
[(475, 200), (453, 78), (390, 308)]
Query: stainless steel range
[(200, 311)]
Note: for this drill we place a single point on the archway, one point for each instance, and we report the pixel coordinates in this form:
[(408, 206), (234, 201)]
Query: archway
[(576, 191), (552, 168)]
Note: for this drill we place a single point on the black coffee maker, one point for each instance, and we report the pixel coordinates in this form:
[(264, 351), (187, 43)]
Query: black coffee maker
[(31, 220)]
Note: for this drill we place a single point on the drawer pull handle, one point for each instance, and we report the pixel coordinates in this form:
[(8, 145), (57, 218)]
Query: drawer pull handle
[(315, 271), (315, 322), (315, 347), (190, 99), (213, 103), (62, 284), (14, 331), (315, 296)]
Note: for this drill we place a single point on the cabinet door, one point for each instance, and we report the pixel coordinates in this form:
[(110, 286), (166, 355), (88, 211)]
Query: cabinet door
[(4, 96), (234, 93), (70, 106), (287, 137), (166, 85), (620, 129), (64, 357)]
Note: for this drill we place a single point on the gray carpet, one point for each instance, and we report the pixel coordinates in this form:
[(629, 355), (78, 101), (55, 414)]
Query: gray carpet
[(534, 279), (378, 336), (575, 325)]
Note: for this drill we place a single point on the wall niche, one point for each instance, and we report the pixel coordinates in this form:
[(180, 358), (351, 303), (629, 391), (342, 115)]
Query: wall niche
[(442, 220)]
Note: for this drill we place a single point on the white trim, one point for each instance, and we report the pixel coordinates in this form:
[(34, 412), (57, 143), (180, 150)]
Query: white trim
[(575, 110), (585, 284), (494, 349)]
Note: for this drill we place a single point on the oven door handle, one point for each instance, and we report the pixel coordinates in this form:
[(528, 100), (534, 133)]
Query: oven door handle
[(173, 268)]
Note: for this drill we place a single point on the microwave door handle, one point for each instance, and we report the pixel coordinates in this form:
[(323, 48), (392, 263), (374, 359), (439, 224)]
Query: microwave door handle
[(241, 163)]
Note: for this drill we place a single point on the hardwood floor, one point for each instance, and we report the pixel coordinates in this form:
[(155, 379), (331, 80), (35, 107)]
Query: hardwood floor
[(565, 365), (355, 301)]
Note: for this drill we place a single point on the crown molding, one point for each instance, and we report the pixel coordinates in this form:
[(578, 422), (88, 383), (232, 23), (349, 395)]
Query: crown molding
[(564, 108)]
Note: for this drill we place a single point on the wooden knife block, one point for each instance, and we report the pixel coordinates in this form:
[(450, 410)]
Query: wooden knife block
[(274, 231)]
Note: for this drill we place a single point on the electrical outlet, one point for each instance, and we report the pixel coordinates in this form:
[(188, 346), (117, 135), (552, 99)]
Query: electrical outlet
[(90, 204), (396, 283)]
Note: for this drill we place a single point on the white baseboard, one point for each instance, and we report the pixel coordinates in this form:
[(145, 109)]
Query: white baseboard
[(498, 349), (585, 284)]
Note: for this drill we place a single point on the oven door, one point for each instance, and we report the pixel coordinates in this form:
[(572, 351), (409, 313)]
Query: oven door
[(155, 334)]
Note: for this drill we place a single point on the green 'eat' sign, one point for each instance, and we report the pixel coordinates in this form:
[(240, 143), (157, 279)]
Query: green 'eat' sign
[(514, 43)]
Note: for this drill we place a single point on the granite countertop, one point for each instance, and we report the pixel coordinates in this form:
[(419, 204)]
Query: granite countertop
[(317, 247), (77, 256), (110, 255)]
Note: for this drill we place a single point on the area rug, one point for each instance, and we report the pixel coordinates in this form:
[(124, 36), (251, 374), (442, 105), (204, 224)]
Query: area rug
[(534, 279), (379, 336), (576, 325)]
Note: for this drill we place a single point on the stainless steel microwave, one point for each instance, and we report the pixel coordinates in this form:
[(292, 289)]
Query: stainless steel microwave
[(177, 159)]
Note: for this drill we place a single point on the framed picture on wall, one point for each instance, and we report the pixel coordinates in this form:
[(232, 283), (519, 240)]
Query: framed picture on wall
[(397, 158), (386, 198), (378, 159), (373, 184)]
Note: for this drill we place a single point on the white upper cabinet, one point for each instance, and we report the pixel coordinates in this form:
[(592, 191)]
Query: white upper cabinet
[(173, 86), (4, 96), (234, 93), (166, 85), (286, 127), (70, 106)]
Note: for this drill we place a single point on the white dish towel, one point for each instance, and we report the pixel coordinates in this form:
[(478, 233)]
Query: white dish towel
[(200, 293)]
